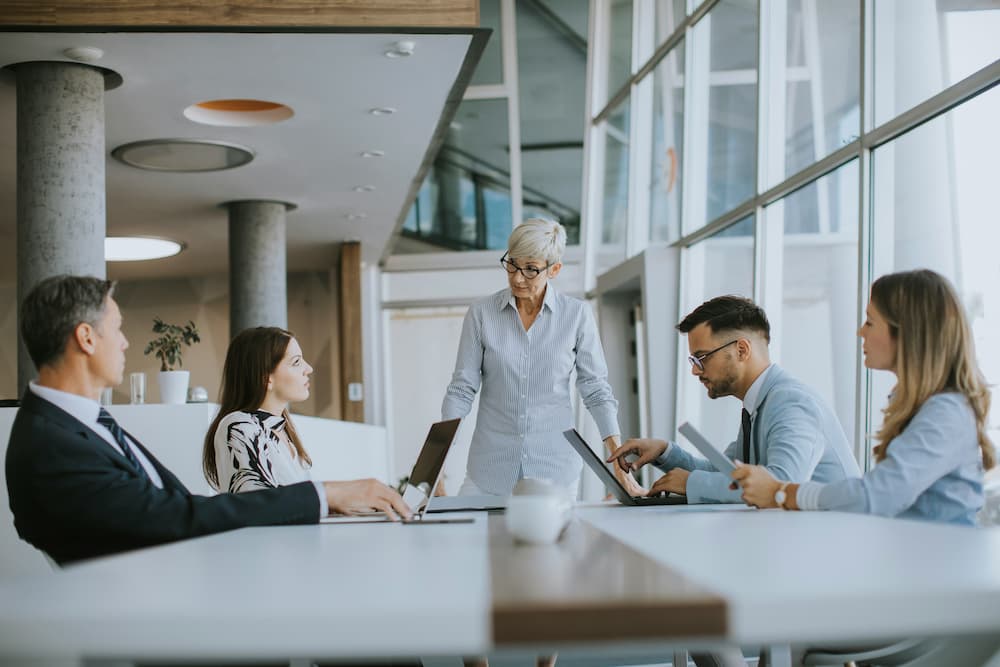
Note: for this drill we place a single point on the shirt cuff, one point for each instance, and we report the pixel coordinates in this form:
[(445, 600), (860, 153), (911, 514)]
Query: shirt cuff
[(606, 418), (807, 495), (663, 460), (324, 508)]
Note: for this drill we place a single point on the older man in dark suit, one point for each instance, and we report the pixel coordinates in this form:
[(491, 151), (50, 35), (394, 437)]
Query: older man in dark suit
[(80, 486)]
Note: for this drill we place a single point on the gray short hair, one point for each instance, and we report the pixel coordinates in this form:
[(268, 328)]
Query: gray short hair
[(54, 308), (538, 238)]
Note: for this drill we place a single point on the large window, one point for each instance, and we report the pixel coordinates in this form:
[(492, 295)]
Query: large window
[(465, 202), (794, 150), (668, 147), (934, 197), (924, 46), (721, 264), (812, 100), (814, 329), (514, 149), (620, 45), (616, 161), (724, 108)]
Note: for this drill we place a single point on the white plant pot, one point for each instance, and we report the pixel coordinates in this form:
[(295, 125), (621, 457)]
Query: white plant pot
[(174, 386)]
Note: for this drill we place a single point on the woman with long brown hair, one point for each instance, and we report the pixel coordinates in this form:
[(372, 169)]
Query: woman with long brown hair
[(252, 443), (932, 449)]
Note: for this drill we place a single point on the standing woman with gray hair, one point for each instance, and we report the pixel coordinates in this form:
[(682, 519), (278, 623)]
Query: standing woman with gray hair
[(520, 346)]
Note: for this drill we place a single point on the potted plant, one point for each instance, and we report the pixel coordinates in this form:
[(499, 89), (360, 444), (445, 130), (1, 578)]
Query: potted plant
[(167, 348)]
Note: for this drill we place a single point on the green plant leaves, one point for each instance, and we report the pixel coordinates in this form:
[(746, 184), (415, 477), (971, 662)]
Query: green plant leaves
[(167, 346)]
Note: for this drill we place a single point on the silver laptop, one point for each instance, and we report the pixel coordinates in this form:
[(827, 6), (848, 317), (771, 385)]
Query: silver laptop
[(423, 479), (605, 475)]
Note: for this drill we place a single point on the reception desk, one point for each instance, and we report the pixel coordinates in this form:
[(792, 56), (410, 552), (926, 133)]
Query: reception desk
[(175, 433)]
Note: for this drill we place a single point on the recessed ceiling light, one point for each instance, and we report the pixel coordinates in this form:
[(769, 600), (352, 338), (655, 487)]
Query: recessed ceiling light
[(183, 155), (381, 111), (137, 248), (364, 188), (238, 112), (401, 49), (356, 216), (372, 153)]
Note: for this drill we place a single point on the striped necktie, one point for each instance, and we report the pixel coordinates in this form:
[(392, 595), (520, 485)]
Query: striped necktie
[(105, 419)]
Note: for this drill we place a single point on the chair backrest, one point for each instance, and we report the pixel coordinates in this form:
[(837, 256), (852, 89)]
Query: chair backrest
[(990, 514), (17, 557)]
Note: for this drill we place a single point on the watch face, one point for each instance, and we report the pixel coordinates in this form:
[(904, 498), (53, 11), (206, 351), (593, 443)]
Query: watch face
[(779, 497)]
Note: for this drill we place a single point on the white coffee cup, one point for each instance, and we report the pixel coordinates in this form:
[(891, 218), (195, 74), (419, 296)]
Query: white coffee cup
[(538, 511)]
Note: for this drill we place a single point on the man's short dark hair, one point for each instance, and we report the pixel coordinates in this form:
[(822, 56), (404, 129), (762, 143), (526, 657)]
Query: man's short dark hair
[(728, 313), (54, 308)]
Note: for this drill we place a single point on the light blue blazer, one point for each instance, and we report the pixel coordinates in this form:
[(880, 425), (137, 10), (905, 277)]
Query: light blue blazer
[(797, 435)]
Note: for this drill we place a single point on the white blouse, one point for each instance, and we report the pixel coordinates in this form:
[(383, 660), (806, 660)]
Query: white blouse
[(251, 455)]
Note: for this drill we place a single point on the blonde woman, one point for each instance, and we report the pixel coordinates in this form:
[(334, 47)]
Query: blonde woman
[(932, 448), (519, 348)]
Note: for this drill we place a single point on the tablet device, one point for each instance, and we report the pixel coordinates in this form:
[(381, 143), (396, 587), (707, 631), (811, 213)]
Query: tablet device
[(721, 462)]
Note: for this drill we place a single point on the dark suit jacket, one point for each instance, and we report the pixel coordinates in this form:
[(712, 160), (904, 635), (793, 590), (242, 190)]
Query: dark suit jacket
[(73, 496)]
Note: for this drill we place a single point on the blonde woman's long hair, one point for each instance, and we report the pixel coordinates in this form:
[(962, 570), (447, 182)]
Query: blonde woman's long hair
[(934, 352)]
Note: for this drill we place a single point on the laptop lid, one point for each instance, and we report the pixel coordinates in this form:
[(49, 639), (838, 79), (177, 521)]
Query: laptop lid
[(423, 479), (608, 478)]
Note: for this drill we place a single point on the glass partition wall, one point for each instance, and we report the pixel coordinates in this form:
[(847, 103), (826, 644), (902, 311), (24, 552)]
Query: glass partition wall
[(794, 150)]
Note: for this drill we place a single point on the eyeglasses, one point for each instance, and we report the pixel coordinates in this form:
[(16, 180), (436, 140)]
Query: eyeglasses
[(697, 359), (528, 272)]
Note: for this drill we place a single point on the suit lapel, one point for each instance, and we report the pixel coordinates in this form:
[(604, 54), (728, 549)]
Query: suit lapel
[(56, 415), (774, 376)]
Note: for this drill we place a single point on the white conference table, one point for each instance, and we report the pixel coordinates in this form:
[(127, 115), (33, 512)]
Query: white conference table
[(824, 576), (356, 591)]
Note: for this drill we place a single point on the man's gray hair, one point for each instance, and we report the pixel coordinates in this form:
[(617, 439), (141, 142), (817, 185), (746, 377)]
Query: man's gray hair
[(54, 308), (537, 238)]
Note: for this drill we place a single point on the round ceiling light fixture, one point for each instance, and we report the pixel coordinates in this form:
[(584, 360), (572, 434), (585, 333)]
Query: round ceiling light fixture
[(138, 248), (238, 112), (382, 111), (185, 155)]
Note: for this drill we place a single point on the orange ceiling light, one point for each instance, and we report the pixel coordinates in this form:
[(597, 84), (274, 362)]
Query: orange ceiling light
[(240, 105), (238, 112)]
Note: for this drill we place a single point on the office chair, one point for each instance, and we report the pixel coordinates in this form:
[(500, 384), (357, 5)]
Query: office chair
[(898, 653)]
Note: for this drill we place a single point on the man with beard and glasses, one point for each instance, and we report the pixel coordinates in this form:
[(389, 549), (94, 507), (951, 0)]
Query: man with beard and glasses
[(786, 427)]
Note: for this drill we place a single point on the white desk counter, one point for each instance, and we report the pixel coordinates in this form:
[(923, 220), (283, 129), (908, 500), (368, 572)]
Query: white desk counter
[(824, 576), (343, 591), (262, 593)]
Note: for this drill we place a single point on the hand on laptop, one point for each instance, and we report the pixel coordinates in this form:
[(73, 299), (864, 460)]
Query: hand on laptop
[(362, 495), (675, 481), (646, 449), (624, 477)]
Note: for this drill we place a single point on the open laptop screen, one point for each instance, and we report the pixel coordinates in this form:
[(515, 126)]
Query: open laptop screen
[(427, 469)]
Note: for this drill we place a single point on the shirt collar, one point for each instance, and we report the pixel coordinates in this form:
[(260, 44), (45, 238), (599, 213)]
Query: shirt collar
[(269, 421), (550, 300), (752, 399), (81, 408)]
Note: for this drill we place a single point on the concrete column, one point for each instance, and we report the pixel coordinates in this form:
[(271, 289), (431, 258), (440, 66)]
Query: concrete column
[(60, 178), (258, 295)]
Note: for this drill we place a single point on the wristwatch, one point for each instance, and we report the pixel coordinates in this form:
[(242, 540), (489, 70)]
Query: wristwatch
[(780, 496)]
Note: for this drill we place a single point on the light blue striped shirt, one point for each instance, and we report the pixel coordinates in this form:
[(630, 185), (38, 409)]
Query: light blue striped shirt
[(933, 470), (525, 402)]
